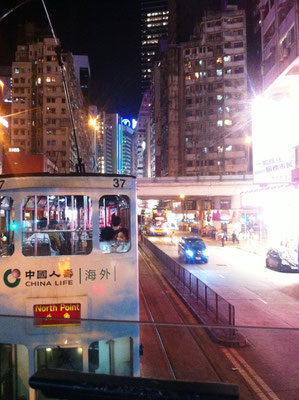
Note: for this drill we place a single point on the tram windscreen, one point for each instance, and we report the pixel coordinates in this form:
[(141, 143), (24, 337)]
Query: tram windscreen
[(114, 224), (7, 226), (56, 225)]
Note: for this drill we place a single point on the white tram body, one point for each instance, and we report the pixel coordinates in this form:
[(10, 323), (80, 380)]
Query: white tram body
[(57, 271)]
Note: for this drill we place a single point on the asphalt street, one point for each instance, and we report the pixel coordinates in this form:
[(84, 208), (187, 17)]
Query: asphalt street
[(266, 301)]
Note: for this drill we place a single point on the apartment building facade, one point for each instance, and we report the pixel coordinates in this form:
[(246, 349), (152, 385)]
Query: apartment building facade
[(275, 116), (200, 118), (41, 122), (214, 119)]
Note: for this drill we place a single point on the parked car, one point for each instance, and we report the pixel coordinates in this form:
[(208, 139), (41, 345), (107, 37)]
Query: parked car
[(192, 249), (283, 259)]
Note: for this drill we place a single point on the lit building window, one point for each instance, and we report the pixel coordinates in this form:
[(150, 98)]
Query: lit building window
[(227, 58), (196, 75), (219, 72), (229, 148), (219, 60), (220, 149), (219, 122), (219, 97), (17, 70), (228, 122)]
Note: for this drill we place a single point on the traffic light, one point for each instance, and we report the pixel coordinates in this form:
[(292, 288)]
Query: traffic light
[(13, 226)]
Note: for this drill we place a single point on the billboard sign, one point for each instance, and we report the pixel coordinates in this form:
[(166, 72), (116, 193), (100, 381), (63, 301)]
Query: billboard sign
[(275, 135)]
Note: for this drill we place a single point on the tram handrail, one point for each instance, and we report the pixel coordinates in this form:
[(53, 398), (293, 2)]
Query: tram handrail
[(222, 310), (74, 385)]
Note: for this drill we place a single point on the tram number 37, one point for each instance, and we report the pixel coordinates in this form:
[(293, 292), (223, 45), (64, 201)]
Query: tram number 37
[(118, 183)]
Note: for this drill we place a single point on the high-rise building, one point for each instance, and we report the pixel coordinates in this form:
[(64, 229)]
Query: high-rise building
[(275, 138), (279, 39), (140, 137), (41, 123), (82, 72), (128, 136), (201, 92), (154, 25)]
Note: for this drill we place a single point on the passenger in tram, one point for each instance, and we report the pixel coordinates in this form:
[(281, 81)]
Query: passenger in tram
[(107, 236), (109, 232), (122, 240), (55, 238), (66, 246)]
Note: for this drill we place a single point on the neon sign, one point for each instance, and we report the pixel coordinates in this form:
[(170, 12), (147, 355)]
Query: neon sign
[(130, 123)]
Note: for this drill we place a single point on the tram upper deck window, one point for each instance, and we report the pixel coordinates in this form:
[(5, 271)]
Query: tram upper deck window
[(114, 224), (56, 225), (7, 226)]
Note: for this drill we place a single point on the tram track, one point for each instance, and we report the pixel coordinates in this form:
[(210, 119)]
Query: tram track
[(182, 315), (222, 368)]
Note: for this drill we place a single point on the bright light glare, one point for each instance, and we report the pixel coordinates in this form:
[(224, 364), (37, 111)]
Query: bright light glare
[(4, 122), (275, 122)]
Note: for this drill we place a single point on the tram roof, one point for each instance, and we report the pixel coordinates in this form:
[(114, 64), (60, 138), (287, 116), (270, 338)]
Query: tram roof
[(72, 180)]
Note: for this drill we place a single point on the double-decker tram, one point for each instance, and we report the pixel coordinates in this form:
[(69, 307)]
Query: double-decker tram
[(68, 257)]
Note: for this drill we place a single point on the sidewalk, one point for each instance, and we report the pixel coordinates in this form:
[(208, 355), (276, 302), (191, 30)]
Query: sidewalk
[(251, 246)]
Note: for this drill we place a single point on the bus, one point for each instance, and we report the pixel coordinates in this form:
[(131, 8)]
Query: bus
[(61, 286), (157, 225)]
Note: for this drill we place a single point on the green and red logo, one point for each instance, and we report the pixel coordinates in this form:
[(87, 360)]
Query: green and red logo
[(11, 278)]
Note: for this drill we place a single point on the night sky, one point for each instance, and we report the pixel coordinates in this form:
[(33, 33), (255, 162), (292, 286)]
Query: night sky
[(108, 31)]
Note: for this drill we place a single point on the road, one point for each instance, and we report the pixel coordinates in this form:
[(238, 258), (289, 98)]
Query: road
[(262, 298)]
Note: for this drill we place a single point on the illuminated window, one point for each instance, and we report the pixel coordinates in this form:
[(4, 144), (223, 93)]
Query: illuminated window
[(17, 70), (227, 58), (7, 227), (56, 225), (229, 148), (228, 122), (114, 216), (219, 60), (219, 97), (197, 75), (219, 122), (219, 72)]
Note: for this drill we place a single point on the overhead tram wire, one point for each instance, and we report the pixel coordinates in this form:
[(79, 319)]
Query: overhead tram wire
[(80, 167), (13, 9)]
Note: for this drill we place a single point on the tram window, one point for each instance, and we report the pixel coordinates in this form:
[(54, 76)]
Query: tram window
[(56, 225), (14, 371), (111, 357), (69, 358), (114, 224), (7, 226)]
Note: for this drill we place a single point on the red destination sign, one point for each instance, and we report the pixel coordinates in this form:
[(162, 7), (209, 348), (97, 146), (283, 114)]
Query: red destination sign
[(47, 314)]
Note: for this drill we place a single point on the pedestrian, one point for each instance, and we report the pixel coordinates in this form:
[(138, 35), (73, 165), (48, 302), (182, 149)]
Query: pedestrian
[(222, 238), (234, 236)]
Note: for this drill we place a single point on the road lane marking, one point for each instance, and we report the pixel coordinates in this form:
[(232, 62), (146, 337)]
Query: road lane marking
[(264, 301), (245, 375), (261, 382)]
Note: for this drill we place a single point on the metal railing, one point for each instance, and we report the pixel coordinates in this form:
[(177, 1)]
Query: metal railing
[(222, 311)]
